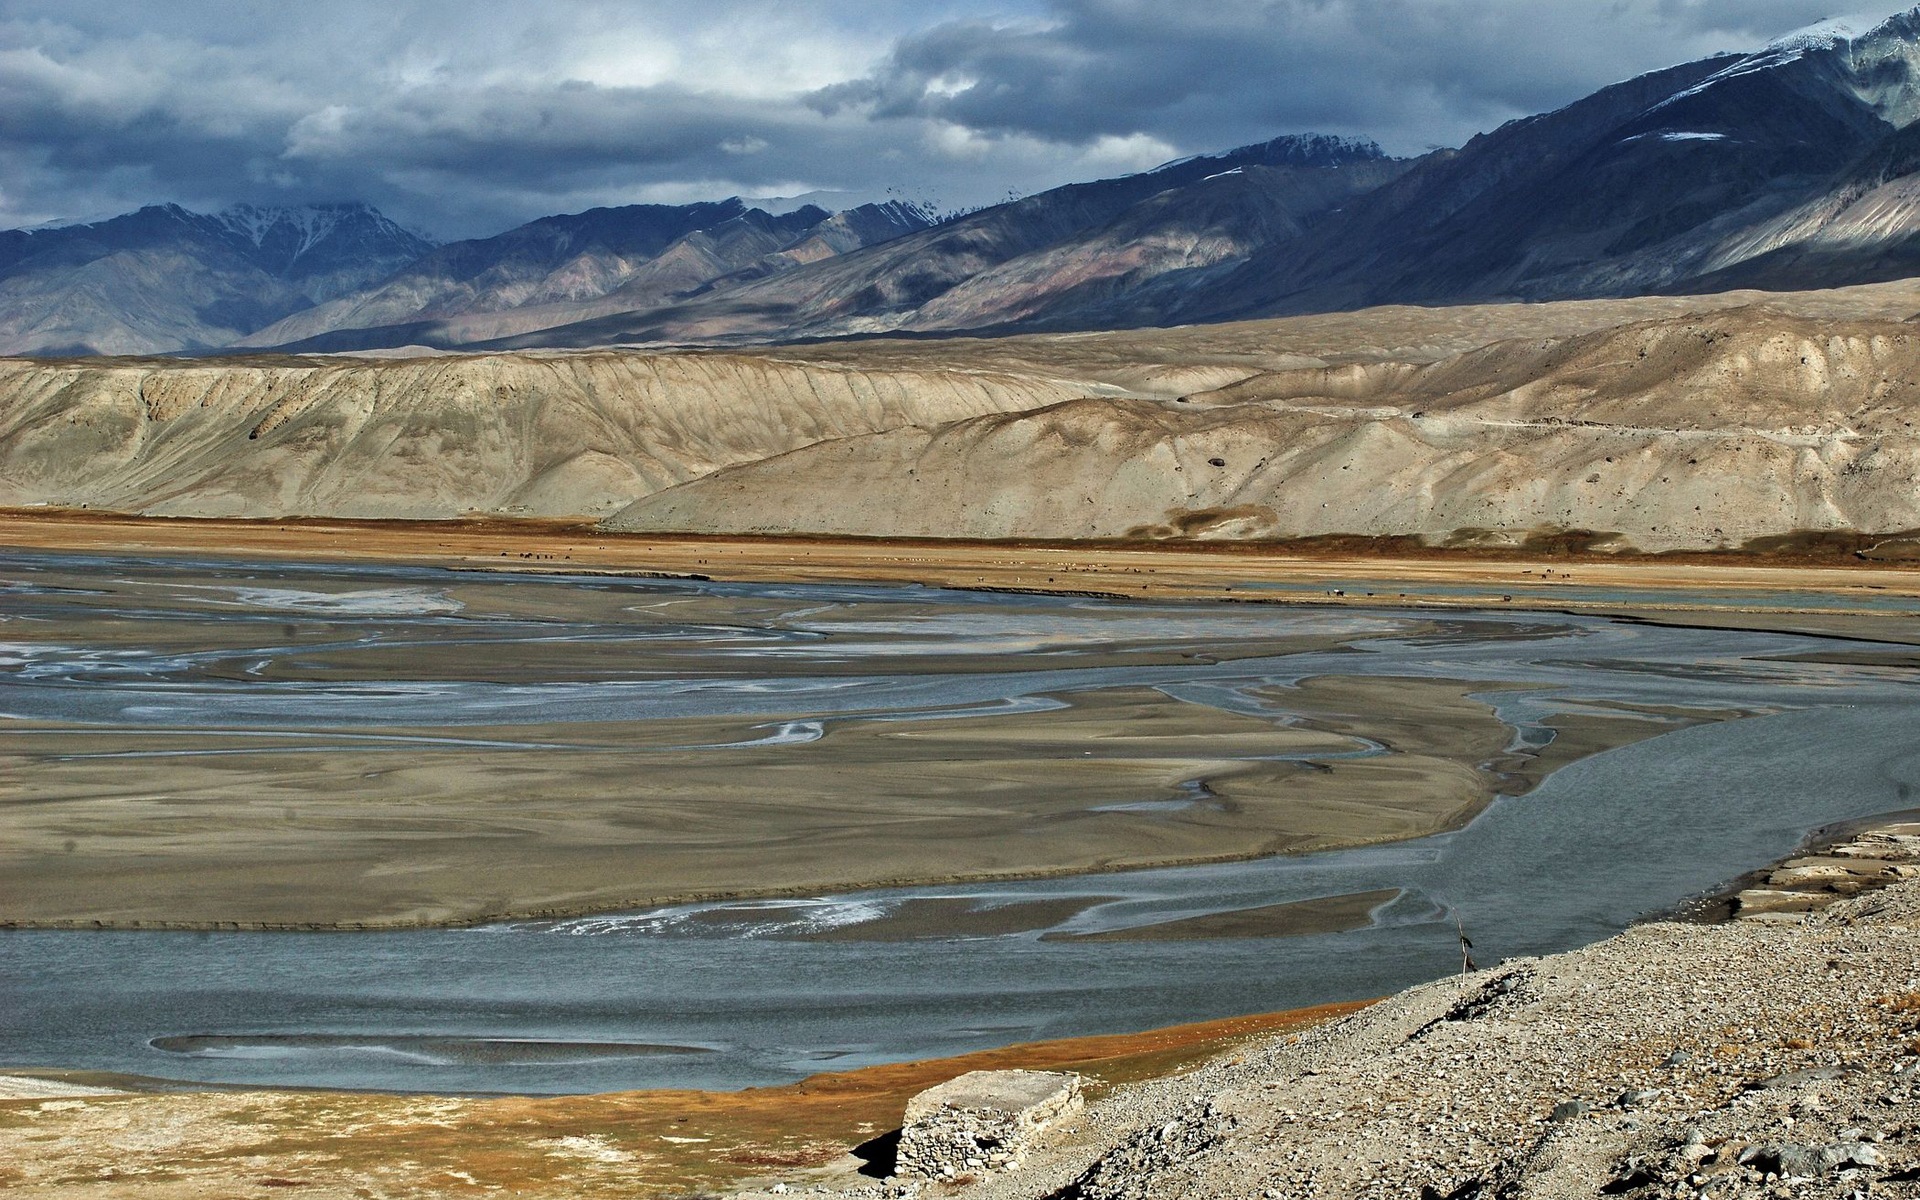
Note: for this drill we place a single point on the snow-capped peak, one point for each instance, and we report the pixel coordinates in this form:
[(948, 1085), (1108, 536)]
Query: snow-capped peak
[(1828, 34), (1877, 57)]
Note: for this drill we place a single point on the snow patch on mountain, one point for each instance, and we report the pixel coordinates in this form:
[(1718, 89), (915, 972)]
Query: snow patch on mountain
[(1676, 135), (308, 225), (1828, 34), (1855, 34)]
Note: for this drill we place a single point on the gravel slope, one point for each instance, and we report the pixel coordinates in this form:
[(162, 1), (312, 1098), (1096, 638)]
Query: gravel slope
[(1769, 1057)]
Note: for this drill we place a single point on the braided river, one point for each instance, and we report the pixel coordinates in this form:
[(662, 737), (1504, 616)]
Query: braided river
[(136, 693)]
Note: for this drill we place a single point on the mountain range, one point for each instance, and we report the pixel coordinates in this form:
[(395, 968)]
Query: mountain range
[(558, 270), (1796, 166)]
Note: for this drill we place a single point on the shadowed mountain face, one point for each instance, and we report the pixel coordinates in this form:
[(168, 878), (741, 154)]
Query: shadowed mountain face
[(164, 278), (1074, 250), (1065, 257), (1789, 168)]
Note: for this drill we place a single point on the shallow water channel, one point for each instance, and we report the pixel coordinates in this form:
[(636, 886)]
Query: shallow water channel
[(218, 656)]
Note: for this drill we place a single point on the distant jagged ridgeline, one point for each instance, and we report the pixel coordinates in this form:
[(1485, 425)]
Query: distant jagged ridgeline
[(1699, 430)]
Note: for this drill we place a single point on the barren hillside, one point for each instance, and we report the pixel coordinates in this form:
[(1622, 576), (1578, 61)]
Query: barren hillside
[(1679, 433), (1672, 423), (440, 437)]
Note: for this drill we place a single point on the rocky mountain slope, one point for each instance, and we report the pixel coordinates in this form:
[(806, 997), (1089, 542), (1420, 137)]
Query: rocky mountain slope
[(1076, 255), (1682, 180), (1789, 168), (1088, 249), (164, 278)]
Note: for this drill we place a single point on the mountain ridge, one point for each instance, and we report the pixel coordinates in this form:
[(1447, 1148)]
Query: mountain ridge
[(1662, 184), (165, 279)]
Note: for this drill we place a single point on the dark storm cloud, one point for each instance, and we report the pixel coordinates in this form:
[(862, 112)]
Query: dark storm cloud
[(1410, 72), (468, 117)]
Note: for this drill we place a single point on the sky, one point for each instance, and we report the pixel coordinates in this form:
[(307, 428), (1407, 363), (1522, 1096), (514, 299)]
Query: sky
[(464, 118)]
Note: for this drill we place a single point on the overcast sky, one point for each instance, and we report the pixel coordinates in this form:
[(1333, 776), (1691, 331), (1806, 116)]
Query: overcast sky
[(463, 118)]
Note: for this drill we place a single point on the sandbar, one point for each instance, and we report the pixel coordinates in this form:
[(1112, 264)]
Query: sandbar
[(1301, 918), (303, 829)]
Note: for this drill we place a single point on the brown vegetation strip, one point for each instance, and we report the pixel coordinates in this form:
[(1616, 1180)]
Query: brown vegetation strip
[(1400, 570)]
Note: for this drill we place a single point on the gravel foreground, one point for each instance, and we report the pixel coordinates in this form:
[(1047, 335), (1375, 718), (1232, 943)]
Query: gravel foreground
[(1769, 1058)]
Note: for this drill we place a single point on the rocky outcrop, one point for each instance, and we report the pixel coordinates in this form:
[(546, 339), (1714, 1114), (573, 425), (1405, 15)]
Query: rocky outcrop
[(1813, 882), (983, 1121)]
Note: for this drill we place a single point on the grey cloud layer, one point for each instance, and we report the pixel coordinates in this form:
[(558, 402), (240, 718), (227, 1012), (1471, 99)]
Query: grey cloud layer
[(465, 118)]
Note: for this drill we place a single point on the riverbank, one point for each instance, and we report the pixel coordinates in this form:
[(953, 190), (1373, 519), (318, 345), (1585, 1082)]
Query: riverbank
[(1812, 584), (1758, 1058), (1751, 1059)]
